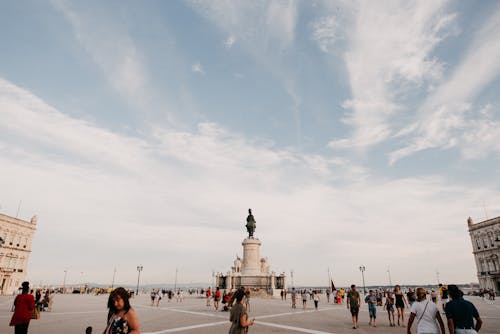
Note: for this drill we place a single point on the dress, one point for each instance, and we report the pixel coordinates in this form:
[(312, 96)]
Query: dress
[(117, 325), (237, 311), (399, 300)]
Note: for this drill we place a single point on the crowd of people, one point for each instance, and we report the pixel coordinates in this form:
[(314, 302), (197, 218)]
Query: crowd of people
[(462, 316)]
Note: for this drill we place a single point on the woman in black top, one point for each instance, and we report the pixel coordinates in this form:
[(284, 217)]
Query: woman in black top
[(400, 304)]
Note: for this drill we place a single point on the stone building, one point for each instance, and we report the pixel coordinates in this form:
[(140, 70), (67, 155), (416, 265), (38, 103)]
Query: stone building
[(485, 237), (16, 236)]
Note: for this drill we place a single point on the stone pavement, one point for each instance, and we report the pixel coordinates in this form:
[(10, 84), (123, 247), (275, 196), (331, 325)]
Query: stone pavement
[(73, 313)]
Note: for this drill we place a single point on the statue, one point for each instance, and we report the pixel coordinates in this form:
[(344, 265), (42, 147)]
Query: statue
[(250, 224)]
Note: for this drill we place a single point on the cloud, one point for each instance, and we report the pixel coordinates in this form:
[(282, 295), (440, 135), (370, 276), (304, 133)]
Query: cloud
[(172, 192), (229, 42), (448, 118), (198, 68), (389, 53), (111, 49)]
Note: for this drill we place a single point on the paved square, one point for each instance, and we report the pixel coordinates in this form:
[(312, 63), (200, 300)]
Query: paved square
[(73, 313)]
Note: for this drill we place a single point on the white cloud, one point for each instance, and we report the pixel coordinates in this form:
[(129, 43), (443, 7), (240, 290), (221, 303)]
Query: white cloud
[(229, 42), (172, 193), (389, 53), (445, 119), (198, 68), (325, 33), (111, 49)]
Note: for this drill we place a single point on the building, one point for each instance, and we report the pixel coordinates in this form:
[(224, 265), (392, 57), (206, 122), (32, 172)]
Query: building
[(485, 237), (16, 236)]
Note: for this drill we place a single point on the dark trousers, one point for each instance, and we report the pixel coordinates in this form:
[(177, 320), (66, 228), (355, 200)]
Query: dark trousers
[(21, 328)]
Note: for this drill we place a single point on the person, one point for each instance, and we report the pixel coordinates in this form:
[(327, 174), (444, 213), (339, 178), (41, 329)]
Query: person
[(208, 293), (434, 296), (371, 300), (304, 298), (153, 296), (410, 296), (389, 306), (121, 316), (461, 313), (51, 301), (426, 313), (216, 298), (294, 298), (400, 304), (443, 292), (282, 294), (158, 297), (247, 299), (353, 304), (328, 296), (315, 299), (23, 305), (238, 315)]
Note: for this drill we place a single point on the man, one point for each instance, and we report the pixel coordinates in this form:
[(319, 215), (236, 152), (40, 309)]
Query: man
[(294, 298), (353, 304), (461, 313), (410, 296), (371, 300), (208, 294)]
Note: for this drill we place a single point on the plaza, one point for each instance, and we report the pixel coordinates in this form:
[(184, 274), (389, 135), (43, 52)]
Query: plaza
[(73, 313)]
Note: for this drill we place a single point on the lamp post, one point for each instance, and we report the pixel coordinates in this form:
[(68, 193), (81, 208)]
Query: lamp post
[(139, 269), (113, 281), (81, 280), (389, 273), (362, 269), (64, 281), (291, 275)]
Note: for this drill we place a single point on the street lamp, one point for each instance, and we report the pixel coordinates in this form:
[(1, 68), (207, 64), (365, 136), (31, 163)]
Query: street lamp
[(113, 281), (362, 269), (81, 280), (64, 281), (389, 273), (291, 274), (139, 269)]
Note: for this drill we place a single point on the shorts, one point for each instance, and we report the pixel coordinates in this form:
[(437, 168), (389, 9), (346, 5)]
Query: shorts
[(400, 304), (434, 299), (373, 312), (354, 311), (465, 331), (390, 308), (216, 299)]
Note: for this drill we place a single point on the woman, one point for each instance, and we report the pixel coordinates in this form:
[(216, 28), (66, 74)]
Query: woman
[(426, 313), (239, 316), (400, 304), (216, 298), (389, 306), (434, 296), (121, 316), (315, 299), (24, 304)]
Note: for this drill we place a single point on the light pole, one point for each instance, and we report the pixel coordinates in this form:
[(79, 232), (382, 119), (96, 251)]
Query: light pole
[(81, 280), (64, 281), (389, 273), (113, 281), (291, 275), (362, 269), (175, 281), (139, 269)]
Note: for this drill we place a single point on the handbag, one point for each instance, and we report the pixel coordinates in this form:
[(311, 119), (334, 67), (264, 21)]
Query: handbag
[(420, 318), (35, 313)]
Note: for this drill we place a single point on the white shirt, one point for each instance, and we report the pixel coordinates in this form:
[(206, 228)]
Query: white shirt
[(428, 322)]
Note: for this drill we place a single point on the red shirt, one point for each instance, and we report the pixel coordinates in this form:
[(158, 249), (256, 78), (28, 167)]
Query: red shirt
[(24, 304)]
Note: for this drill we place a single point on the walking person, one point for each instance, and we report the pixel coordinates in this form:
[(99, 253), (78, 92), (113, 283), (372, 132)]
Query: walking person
[(304, 299), (121, 316), (216, 298), (294, 298), (461, 313), (247, 299), (410, 296), (23, 305), (353, 304), (389, 306), (427, 315), (434, 296), (443, 293), (371, 300), (208, 294), (238, 315), (315, 299), (400, 304)]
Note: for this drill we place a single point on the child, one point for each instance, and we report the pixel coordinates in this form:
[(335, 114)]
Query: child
[(389, 306)]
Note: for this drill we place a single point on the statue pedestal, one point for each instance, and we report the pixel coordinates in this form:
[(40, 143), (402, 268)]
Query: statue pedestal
[(251, 257)]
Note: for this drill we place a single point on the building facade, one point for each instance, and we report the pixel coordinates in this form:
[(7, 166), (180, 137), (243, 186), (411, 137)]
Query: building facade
[(16, 236), (485, 237)]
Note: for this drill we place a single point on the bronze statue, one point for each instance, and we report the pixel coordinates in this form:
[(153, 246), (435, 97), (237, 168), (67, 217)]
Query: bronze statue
[(250, 224)]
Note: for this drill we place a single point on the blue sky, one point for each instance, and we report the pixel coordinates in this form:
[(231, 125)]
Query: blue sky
[(359, 133)]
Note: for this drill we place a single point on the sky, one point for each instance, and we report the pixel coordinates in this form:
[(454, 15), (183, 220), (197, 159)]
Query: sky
[(359, 132)]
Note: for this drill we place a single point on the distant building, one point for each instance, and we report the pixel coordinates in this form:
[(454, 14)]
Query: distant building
[(15, 248), (485, 237)]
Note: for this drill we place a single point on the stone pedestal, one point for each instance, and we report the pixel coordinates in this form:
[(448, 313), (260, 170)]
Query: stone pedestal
[(251, 257)]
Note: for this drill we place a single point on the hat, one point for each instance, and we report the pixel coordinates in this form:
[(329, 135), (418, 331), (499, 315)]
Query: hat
[(25, 284)]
